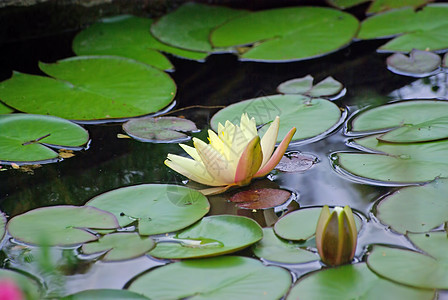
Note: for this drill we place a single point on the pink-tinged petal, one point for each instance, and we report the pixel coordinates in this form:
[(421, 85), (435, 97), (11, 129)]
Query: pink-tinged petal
[(215, 190), (9, 290), (249, 162), (277, 156), (269, 140)]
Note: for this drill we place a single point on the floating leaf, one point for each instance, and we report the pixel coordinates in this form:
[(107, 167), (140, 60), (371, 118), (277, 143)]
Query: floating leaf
[(296, 162), (415, 209), (417, 121), (313, 117), (396, 164), (30, 287), (217, 278), (128, 36), (99, 87), (2, 225), (304, 86), (120, 246), (26, 138), (260, 198), (189, 26), (445, 60), (425, 29), (353, 282), (418, 64), (214, 235), (291, 33), (62, 225), (344, 4), (424, 270), (159, 130), (378, 6), (272, 248), (5, 109), (158, 208), (105, 294)]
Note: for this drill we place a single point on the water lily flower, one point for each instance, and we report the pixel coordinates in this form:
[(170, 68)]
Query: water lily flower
[(336, 235), (234, 156), (9, 290)]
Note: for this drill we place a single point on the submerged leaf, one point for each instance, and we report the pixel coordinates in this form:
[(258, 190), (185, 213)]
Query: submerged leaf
[(296, 162), (260, 198)]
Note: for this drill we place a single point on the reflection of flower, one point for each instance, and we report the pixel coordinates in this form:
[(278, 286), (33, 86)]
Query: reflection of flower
[(336, 235), (9, 290), (234, 156)]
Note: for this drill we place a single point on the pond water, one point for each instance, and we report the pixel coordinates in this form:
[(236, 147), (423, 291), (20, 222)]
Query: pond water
[(110, 163)]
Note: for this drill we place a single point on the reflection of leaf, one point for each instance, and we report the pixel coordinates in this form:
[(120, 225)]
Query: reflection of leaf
[(418, 64), (296, 162), (304, 86), (260, 198), (159, 130)]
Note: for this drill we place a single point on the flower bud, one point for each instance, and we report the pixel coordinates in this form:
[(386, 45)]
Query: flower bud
[(336, 235)]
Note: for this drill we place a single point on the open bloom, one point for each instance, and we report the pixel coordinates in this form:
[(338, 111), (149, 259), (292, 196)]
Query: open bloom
[(9, 290), (235, 155), (336, 235)]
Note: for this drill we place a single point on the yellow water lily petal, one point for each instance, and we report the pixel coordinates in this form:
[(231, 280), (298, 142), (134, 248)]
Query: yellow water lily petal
[(248, 127), (249, 163), (215, 190), (269, 140), (215, 163), (191, 151)]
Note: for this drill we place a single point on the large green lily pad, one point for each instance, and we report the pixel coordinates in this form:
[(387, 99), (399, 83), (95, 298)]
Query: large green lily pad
[(312, 117), (415, 209), (272, 248), (90, 88), (214, 235), (406, 121), (189, 26), (353, 282), (424, 270), (62, 225), (26, 137), (105, 294), (228, 277), (157, 208), (120, 246), (425, 29), (5, 109), (395, 163), (286, 34), (128, 36), (30, 288)]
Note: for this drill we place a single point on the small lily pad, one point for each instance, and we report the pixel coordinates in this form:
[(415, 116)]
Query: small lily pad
[(445, 60), (415, 209), (227, 277), (272, 248), (353, 282), (296, 162), (128, 36), (214, 235), (2, 225), (157, 208), (63, 225), (260, 198), (304, 86), (30, 288), (105, 294), (423, 270), (418, 64), (314, 117), (120, 246), (189, 26), (99, 87), (27, 138), (159, 130)]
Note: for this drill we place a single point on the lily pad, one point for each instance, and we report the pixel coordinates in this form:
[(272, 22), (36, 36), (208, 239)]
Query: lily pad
[(62, 225), (30, 288), (159, 130), (353, 282), (260, 198), (304, 86), (5, 109), (424, 270), (379, 5), (445, 60), (406, 121), (128, 36), (418, 64), (189, 26), (415, 209), (105, 294), (120, 246), (314, 117), (157, 208), (272, 248), (2, 225), (99, 87), (285, 34), (227, 277), (27, 138), (214, 235), (396, 164), (296, 162), (425, 29)]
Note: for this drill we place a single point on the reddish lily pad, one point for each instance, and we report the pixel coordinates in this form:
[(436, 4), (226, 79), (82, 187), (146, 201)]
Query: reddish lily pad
[(296, 162), (418, 64), (260, 198), (159, 130)]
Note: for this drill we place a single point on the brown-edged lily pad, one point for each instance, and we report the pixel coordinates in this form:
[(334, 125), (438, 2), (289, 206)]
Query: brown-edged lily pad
[(418, 64), (260, 198)]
